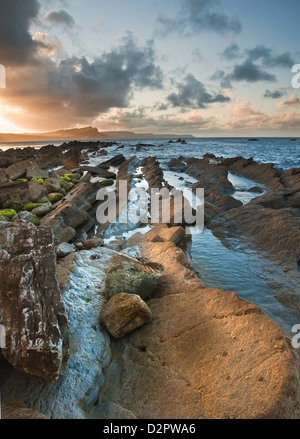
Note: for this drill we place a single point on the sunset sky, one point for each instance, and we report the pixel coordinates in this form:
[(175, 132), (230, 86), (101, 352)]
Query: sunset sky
[(201, 67)]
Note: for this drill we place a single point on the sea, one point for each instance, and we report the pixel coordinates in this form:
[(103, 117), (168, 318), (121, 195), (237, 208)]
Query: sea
[(237, 267)]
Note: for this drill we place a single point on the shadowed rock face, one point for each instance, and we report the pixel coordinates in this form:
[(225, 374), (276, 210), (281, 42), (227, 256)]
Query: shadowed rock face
[(18, 410), (32, 311)]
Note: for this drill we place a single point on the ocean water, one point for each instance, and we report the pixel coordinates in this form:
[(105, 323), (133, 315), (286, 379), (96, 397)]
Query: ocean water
[(239, 268)]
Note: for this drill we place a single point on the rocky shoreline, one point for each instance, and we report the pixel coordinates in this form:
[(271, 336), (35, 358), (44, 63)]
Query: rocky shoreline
[(87, 323)]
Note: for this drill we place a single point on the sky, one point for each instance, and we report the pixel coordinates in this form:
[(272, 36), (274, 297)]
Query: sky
[(199, 67)]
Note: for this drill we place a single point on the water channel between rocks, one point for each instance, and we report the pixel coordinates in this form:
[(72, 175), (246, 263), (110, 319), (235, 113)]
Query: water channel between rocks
[(236, 267)]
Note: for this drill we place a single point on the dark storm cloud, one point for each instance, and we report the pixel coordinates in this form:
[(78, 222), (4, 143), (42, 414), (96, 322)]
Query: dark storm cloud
[(61, 17), (193, 94), (93, 87), (276, 94), (269, 58), (254, 68), (250, 72), (197, 16), (77, 88), (16, 43)]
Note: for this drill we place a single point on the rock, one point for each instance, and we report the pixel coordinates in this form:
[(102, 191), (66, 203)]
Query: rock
[(55, 197), (223, 202), (92, 243), (65, 234), (29, 217), (18, 410), (131, 276), (210, 355), (64, 249), (256, 189), (133, 252), (52, 185), (36, 173), (76, 392), (31, 307), (42, 210), (100, 172), (71, 212), (66, 185), (35, 192), (124, 313), (275, 231), (3, 176), (8, 213), (114, 161), (13, 192)]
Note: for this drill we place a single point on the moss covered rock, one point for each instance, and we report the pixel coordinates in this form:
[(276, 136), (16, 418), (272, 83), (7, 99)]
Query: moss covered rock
[(15, 205), (30, 206), (38, 180), (42, 210), (55, 197), (8, 213), (66, 177), (108, 182), (66, 185)]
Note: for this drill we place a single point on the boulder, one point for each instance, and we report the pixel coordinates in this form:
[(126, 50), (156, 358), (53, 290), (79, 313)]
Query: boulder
[(42, 210), (52, 185), (128, 275), (36, 173), (31, 307), (13, 192), (36, 191), (92, 243), (124, 313), (64, 249), (54, 197)]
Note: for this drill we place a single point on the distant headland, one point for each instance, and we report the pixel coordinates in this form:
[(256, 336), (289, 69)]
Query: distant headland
[(85, 133)]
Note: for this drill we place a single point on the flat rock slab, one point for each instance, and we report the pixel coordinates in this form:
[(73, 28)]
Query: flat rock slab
[(205, 354)]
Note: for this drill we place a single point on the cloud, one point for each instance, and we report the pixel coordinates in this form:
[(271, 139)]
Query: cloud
[(269, 58), (273, 94), (193, 94), (197, 16), (140, 120), (60, 18), (250, 72), (231, 52), (16, 43), (253, 67), (293, 101), (76, 90)]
